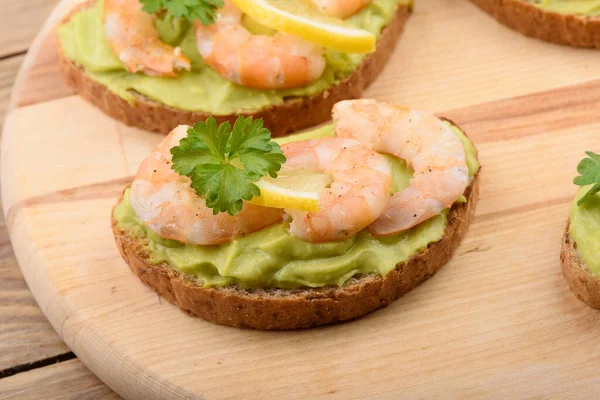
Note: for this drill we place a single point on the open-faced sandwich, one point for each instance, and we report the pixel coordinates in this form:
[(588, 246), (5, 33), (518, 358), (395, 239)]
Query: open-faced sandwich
[(570, 22), (312, 229), (580, 253), (156, 64)]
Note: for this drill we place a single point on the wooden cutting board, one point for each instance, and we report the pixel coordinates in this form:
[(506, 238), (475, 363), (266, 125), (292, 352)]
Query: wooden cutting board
[(497, 321)]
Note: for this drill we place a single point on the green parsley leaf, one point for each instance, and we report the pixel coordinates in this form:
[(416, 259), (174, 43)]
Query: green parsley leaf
[(151, 6), (224, 161), (203, 10), (589, 168)]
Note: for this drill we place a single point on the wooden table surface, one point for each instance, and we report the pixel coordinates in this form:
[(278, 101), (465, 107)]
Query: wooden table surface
[(34, 361)]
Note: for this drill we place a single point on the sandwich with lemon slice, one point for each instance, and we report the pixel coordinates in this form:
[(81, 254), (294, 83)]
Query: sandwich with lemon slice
[(569, 22), (311, 229), (156, 64), (580, 255)]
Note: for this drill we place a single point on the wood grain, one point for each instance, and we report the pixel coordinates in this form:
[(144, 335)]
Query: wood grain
[(8, 72), (497, 322), (497, 63), (26, 336), (21, 21), (452, 55), (67, 380), (501, 307), (41, 83)]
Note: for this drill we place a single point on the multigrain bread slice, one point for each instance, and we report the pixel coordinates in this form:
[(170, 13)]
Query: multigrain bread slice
[(583, 283), (294, 114), (283, 309), (524, 17)]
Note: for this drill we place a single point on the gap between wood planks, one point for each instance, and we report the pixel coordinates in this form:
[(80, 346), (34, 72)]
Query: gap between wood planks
[(50, 350), (15, 39), (15, 54), (45, 343), (37, 364), (65, 381), (21, 21)]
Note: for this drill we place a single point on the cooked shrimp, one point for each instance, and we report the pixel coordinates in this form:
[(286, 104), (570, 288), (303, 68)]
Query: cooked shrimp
[(167, 204), (428, 145), (258, 61), (356, 197), (133, 38), (340, 8)]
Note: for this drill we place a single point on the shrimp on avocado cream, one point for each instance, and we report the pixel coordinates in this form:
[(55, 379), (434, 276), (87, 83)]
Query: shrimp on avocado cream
[(424, 142), (281, 61), (358, 197)]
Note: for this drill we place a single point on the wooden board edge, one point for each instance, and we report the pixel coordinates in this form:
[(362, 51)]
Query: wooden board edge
[(56, 15)]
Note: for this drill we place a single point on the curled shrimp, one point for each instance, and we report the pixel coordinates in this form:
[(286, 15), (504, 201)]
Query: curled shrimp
[(427, 144), (357, 195), (340, 8), (258, 61), (134, 39), (167, 204)]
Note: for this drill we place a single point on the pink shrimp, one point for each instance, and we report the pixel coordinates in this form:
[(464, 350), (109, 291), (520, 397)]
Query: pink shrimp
[(258, 61), (356, 197), (133, 38), (426, 143), (340, 8), (167, 204)]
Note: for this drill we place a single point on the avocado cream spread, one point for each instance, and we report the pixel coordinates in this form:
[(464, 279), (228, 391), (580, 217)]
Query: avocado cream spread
[(589, 8), (83, 41), (272, 257), (585, 229)]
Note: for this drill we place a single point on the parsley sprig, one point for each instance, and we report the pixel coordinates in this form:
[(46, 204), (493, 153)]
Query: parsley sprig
[(203, 10), (223, 162), (589, 168)]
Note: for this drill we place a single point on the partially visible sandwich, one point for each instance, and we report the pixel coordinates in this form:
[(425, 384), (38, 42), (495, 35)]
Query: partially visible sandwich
[(213, 76), (580, 255), (568, 22)]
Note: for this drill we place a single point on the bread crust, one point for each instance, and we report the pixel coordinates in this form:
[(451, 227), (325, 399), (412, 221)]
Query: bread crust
[(582, 282), (294, 114), (567, 29), (281, 309)]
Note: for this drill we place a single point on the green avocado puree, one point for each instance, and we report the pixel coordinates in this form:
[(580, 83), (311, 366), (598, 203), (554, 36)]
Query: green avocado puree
[(581, 7), (585, 229), (83, 41), (272, 257)]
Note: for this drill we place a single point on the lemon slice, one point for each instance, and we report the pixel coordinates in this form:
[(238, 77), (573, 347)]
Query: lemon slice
[(302, 19), (256, 28), (296, 189)]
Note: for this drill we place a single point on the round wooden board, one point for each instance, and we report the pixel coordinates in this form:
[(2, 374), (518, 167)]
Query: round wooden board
[(498, 321)]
